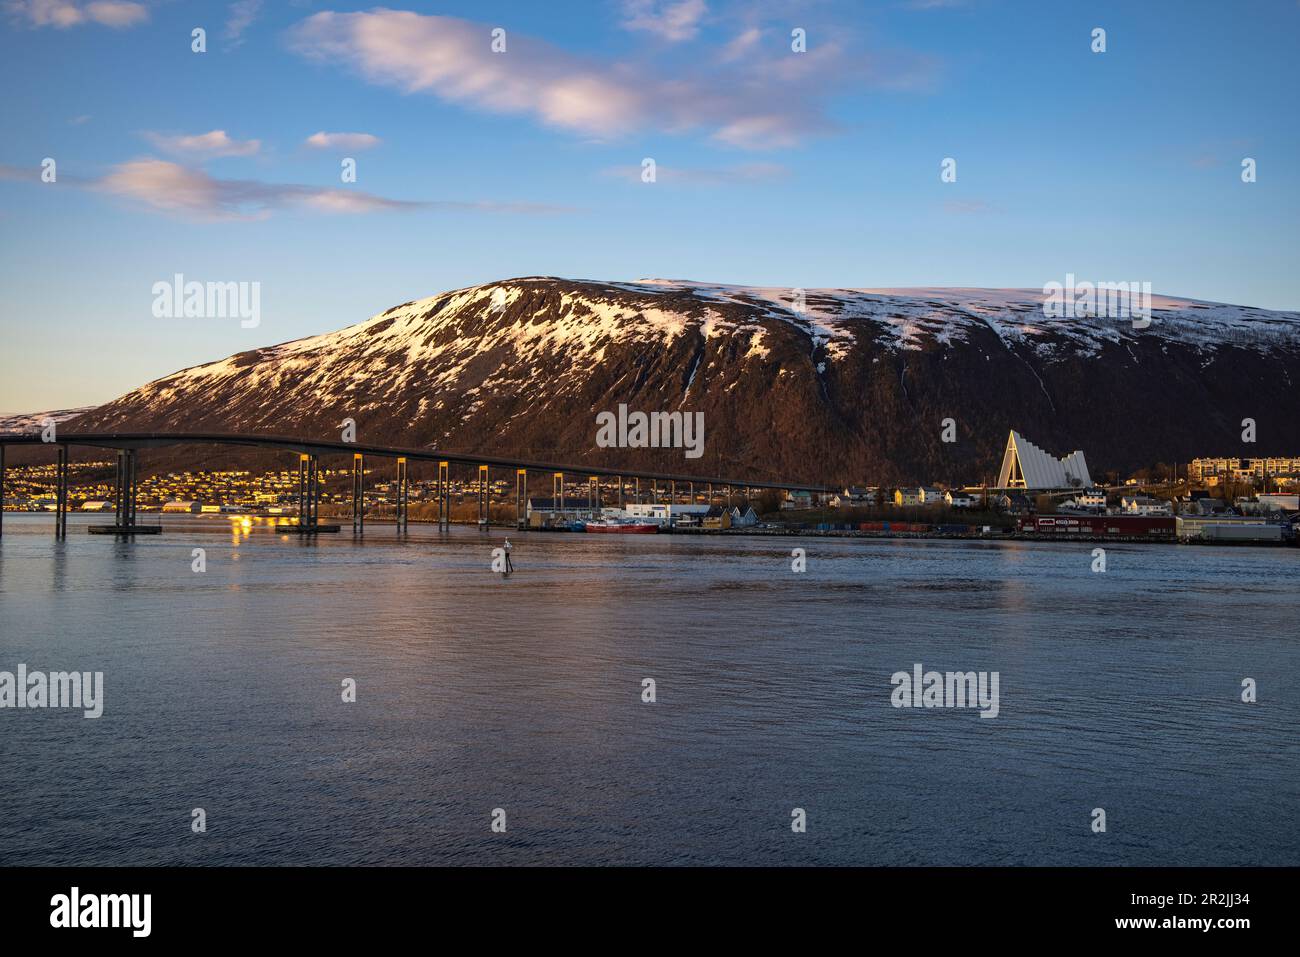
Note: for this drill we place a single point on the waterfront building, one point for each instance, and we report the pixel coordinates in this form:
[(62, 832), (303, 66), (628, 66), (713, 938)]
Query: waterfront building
[(718, 517), (666, 513), (1227, 529), (547, 511)]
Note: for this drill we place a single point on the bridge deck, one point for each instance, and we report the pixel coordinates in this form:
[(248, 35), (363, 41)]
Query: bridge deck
[(147, 440)]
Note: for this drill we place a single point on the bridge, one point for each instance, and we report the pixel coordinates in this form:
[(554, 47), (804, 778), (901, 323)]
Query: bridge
[(309, 451)]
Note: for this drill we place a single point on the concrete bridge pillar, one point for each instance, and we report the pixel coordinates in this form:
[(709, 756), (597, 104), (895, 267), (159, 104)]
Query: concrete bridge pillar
[(444, 495), (309, 492), (61, 494), (521, 498), (482, 495), (403, 494), (358, 494), (124, 491)]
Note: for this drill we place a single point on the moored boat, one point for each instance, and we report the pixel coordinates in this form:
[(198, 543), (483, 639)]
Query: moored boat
[(622, 527)]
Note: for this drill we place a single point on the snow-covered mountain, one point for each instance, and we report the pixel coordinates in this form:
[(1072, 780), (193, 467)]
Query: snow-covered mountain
[(31, 421), (829, 385)]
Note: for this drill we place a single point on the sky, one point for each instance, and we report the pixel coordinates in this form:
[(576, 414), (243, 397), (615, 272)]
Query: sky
[(820, 167)]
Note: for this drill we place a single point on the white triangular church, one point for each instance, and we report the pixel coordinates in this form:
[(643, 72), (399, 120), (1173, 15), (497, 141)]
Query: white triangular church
[(1026, 466)]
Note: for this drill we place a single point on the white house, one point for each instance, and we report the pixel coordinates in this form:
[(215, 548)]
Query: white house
[(960, 499), (797, 500), (1091, 500), (854, 495), (1144, 505)]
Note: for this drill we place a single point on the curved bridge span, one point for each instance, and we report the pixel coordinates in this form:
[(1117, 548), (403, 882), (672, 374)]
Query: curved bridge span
[(308, 450)]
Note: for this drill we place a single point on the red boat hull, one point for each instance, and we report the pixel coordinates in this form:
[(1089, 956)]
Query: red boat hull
[(638, 528)]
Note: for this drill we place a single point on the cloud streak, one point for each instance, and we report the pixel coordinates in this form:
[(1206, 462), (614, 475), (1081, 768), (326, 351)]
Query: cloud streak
[(216, 143), (754, 104), (192, 194), (695, 176), (241, 15), (672, 20), (341, 141), (62, 14)]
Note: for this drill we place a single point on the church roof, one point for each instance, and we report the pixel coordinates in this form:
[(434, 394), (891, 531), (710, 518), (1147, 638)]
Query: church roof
[(1025, 465)]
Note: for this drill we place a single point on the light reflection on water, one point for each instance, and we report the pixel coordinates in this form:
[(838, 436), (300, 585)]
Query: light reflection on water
[(1118, 690)]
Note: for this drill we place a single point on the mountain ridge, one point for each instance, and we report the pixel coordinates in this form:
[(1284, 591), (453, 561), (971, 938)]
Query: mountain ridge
[(818, 385)]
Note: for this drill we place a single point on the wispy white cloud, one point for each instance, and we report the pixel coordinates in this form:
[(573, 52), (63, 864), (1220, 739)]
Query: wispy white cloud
[(341, 141), (192, 194), (240, 17), (62, 14), (764, 104), (673, 20), (213, 144), (697, 176), (741, 46)]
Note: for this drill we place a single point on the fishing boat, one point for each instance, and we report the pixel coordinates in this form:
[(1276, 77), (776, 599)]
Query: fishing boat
[(624, 527)]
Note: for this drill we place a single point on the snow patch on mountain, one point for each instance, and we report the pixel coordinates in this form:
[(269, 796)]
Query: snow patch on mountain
[(24, 422)]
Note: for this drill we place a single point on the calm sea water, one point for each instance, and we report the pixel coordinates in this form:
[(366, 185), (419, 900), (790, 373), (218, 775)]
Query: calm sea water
[(1118, 690)]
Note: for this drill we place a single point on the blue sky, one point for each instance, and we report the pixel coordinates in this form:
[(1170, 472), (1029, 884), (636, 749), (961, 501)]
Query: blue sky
[(777, 168)]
